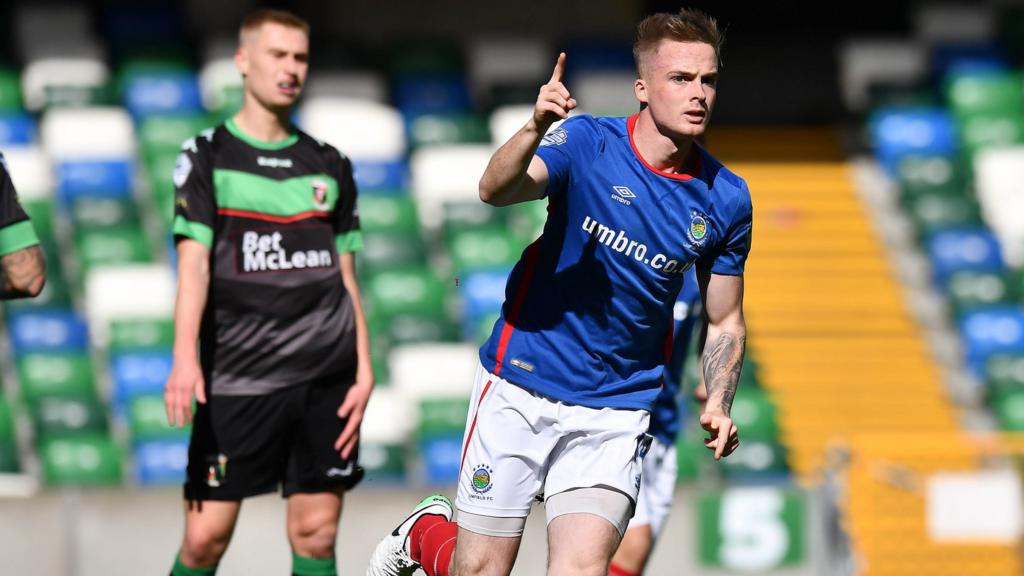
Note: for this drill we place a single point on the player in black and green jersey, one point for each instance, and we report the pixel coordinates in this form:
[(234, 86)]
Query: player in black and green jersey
[(266, 226), (22, 265)]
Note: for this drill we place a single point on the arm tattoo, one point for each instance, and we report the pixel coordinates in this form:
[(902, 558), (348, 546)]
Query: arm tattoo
[(722, 363), (20, 270)]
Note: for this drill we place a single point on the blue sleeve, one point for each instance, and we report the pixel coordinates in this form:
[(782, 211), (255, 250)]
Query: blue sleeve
[(577, 141), (731, 256)]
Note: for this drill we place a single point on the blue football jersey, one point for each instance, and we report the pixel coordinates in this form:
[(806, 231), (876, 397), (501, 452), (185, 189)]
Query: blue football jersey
[(587, 316), (670, 407)]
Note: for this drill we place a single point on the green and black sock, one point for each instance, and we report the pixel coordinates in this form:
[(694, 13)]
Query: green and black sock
[(303, 566), (180, 569)]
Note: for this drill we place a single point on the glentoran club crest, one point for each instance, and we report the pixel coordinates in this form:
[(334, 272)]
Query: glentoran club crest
[(218, 470), (320, 194)]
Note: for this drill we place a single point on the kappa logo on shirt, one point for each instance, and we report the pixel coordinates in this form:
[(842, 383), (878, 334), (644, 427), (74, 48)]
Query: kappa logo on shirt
[(274, 162)]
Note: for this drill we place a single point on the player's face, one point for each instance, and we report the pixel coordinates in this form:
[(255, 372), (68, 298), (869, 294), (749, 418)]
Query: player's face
[(274, 61), (678, 86)]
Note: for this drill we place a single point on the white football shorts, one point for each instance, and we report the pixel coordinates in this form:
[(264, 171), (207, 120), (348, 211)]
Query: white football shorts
[(519, 444), (657, 488)]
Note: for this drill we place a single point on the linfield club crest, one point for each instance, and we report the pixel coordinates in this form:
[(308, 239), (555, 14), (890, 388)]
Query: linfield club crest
[(320, 194), (697, 233), (481, 481)]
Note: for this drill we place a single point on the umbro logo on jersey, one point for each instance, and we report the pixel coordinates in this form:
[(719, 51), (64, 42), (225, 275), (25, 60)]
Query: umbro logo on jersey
[(274, 162), (622, 193)]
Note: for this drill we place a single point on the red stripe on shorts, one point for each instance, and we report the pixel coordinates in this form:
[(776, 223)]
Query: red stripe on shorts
[(472, 425)]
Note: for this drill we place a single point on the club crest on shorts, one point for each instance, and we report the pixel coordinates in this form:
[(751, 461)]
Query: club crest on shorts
[(218, 470), (481, 481), (320, 194), (697, 233)]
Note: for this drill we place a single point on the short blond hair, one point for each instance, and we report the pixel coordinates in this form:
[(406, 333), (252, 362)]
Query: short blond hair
[(256, 19), (687, 25)]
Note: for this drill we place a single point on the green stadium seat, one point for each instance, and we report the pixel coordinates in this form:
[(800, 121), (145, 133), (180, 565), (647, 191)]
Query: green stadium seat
[(395, 214), (420, 327), (384, 250), (411, 58), (120, 245), (755, 457), (91, 213), (384, 461), (931, 175), (10, 90), (54, 374), (991, 130), (81, 461), (434, 129), (405, 290), (754, 414), (970, 94), (77, 96), (969, 289), (485, 326), (1008, 406), (526, 220), (141, 333), (164, 135), (482, 248), (459, 216), (68, 416), (893, 95), (147, 420), (442, 416), (6, 420), (931, 212), (9, 460), (1004, 373)]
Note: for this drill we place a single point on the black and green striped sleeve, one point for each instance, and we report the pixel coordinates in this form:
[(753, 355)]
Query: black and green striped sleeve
[(16, 231), (195, 207), (348, 236)]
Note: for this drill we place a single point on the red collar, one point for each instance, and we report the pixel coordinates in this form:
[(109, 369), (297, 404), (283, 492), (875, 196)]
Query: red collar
[(684, 176)]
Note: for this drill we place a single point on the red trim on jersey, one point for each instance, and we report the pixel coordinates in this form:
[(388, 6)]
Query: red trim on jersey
[(472, 425), (529, 265), (684, 176), (669, 340), (272, 218)]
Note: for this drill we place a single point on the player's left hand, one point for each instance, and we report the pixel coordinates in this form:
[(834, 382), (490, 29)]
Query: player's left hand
[(352, 410), (724, 436)]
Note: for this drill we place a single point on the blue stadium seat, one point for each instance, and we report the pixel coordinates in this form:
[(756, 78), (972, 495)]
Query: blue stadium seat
[(441, 457), (134, 374), (431, 94), (47, 331), (482, 294), (99, 178), (17, 129), (161, 462), (596, 56), (996, 330), (900, 132), (966, 58), (381, 176), (162, 92), (959, 249)]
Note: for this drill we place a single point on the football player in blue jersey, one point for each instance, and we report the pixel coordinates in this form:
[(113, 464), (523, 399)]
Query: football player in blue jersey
[(574, 364)]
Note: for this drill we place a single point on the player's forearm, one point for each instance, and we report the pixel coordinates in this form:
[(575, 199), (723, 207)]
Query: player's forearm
[(22, 273), (505, 180), (193, 284), (364, 363), (722, 360)]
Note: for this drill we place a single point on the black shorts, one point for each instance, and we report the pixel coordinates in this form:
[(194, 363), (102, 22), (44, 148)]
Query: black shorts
[(247, 445)]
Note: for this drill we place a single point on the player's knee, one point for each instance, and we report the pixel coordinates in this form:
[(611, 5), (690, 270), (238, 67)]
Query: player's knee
[(313, 536), (204, 545)]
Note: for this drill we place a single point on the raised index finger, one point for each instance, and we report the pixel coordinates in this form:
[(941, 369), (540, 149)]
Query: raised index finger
[(559, 71)]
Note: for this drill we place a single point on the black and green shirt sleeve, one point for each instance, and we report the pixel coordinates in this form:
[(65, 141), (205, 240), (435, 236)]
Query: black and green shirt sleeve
[(16, 230), (348, 237), (195, 208)]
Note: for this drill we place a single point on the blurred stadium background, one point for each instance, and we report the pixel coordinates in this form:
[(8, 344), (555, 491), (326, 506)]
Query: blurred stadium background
[(884, 392)]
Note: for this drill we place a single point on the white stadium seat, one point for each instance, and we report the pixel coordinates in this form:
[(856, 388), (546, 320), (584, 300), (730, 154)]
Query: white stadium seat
[(443, 174), (95, 133), (127, 291), (361, 129), (606, 93), (952, 23), (31, 172), (389, 419), (998, 176), (349, 84), (78, 71), (433, 370), (509, 61), (216, 76), (505, 121), (864, 62)]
